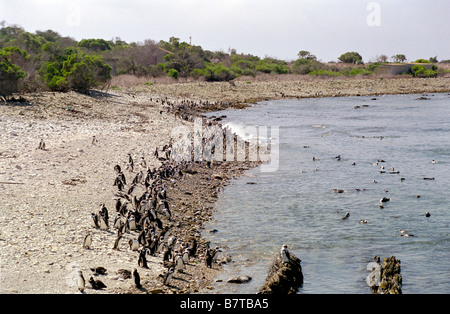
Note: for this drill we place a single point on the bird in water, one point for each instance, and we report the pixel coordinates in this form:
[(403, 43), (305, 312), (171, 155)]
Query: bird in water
[(346, 216), (285, 256)]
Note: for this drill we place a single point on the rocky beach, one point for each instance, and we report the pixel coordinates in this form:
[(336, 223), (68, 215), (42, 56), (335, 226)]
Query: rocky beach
[(49, 193)]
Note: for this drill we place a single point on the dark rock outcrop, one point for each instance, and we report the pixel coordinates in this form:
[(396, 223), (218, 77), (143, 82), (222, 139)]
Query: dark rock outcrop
[(385, 278), (283, 277)]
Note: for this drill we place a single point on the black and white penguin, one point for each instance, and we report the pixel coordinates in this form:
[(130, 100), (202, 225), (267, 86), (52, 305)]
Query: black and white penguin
[(134, 244), (137, 279), (179, 263), (95, 222), (96, 284), (285, 256), (142, 261), (168, 276), (87, 243)]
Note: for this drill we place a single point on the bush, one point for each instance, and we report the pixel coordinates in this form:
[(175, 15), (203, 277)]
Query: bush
[(324, 73), (421, 71), (218, 72), (305, 66), (355, 71), (422, 61), (173, 73)]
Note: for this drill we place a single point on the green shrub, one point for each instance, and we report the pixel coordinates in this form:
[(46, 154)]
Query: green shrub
[(355, 71), (422, 61), (324, 73), (77, 71), (421, 71), (305, 66), (173, 73)]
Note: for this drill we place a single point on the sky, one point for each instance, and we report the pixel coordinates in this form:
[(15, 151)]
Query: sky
[(279, 29)]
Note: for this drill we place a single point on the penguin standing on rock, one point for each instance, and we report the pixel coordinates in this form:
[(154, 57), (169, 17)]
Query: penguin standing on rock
[(285, 256)]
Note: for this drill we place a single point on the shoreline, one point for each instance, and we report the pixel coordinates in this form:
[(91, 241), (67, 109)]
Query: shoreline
[(49, 194)]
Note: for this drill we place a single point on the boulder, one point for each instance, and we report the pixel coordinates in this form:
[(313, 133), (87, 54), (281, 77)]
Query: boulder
[(283, 277), (385, 278)]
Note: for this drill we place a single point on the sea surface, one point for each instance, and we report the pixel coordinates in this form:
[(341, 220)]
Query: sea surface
[(408, 135)]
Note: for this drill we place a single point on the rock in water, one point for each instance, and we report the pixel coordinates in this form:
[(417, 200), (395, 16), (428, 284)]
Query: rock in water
[(386, 278), (283, 278)]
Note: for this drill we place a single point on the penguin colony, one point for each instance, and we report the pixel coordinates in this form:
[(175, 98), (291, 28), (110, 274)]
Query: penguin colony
[(142, 209)]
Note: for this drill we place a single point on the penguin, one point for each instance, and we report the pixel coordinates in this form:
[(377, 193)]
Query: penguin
[(96, 284), (117, 221), (168, 276), (99, 270), (95, 223), (208, 258), (94, 140), (80, 281), (186, 256), (118, 205), (41, 145), (142, 261), (427, 214), (87, 241), (385, 199), (134, 244), (346, 216), (137, 279), (103, 223), (116, 242), (285, 256), (179, 263), (132, 223)]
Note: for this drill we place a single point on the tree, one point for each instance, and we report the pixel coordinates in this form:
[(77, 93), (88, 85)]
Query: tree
[(76, 70), (351, 57), (399, 58), (303, 54), (10, 73)]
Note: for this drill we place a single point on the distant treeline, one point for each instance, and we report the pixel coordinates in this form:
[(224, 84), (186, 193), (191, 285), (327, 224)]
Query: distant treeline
[(45, 60)]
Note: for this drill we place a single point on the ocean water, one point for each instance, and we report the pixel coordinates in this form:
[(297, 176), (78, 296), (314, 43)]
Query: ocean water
[(296, 205)]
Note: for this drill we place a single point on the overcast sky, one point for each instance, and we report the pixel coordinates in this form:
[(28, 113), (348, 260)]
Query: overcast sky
[(326, 28)]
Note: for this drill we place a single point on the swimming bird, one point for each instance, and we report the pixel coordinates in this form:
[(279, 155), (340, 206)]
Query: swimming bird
[(87, 241), (346, 216), (80, 281), (385, 199), (285, 256), (363, 221), (427, 214), (137, 279)]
